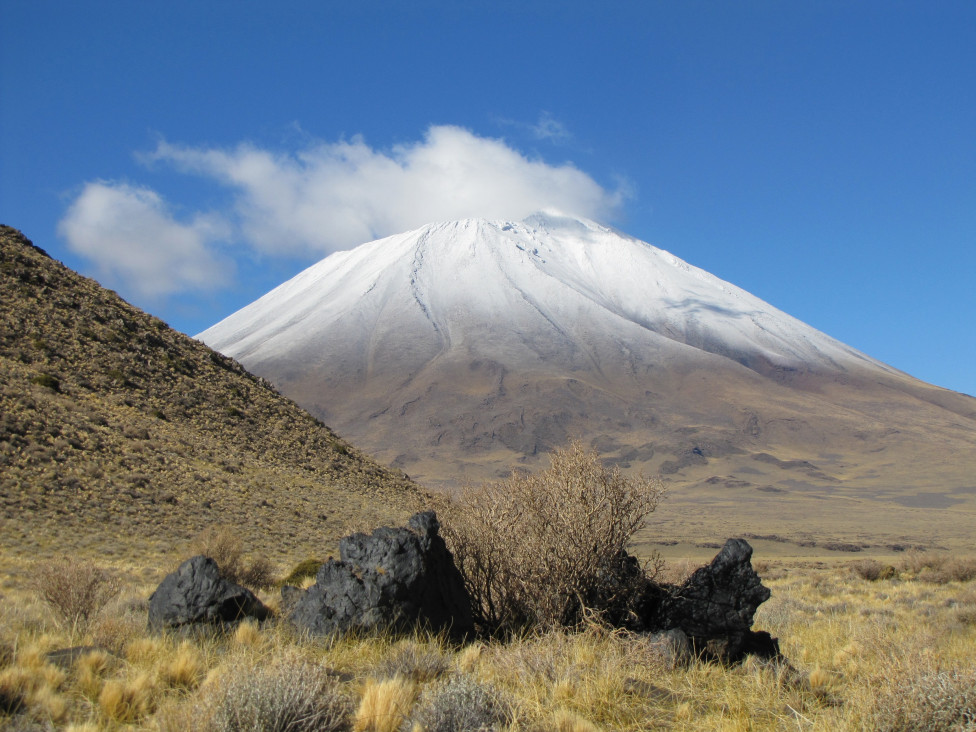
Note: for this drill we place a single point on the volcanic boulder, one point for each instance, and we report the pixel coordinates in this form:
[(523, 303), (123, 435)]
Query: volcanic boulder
[(196, 594), (395, 579), (715, 607)]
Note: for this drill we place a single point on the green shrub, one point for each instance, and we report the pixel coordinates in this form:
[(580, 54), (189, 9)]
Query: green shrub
[(48, 381), (302, 571)]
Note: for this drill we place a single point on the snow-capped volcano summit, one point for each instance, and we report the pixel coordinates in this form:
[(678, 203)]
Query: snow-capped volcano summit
[(543, 290), (461, 347)]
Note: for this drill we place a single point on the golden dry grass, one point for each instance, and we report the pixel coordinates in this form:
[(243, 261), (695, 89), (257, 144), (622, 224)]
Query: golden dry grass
[(384, 704), (860, 654)]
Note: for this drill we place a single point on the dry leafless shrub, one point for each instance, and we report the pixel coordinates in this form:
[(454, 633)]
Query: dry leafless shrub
[(462, 704), (226, 548), (944, 700), (542, 549), (258, 574), (873, 570), (291, 696), (76, 589), (940, 568)]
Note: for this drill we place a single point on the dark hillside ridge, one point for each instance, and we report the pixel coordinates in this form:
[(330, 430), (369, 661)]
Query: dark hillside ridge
[(114, 425)]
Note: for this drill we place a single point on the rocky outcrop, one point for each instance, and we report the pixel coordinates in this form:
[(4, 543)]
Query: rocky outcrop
[(404, 578), (196, 594), (715, 607), (392, 579)]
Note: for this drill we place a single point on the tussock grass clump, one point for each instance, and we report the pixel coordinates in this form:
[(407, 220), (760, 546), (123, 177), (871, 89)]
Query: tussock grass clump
[(91, 670), (566, 721), (293, 695), (127, 700), (385, 704), (76, 589), (186, 669), (543, 549), (247, 634)]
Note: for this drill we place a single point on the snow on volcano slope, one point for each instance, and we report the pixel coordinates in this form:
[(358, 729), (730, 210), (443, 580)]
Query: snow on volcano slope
[(485, 342), (541, 282)]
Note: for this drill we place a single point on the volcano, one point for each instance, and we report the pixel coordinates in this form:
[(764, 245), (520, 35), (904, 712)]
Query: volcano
[(464, 349)]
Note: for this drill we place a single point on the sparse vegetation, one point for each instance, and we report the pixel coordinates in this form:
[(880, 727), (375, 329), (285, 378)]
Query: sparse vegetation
[(225, 546), (108, 419), (113, 424)]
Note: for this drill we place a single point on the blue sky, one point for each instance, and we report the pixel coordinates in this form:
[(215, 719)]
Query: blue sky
[(822, 155)]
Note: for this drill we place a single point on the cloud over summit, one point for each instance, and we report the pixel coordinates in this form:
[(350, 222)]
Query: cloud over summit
[(309, 202)]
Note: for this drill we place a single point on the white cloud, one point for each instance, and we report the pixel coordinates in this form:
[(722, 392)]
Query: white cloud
[(331, 196), (133, 239), (308, 202), (549, 128)]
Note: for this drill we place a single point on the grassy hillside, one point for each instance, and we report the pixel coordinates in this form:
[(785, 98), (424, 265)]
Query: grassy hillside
[(119, 435)]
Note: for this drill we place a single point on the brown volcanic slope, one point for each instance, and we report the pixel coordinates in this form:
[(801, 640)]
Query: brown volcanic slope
[(466, 349), (119, 435)]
